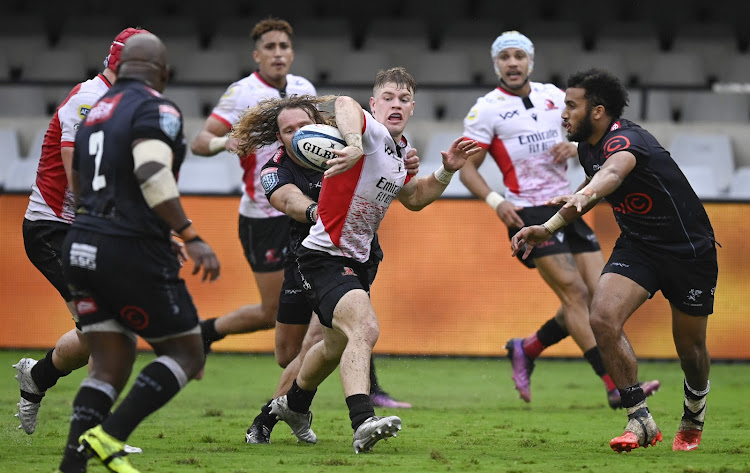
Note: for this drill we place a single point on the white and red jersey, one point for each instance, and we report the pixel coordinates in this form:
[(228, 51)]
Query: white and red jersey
[(241, 95), (518, 133), (51, 199), (352, 204)]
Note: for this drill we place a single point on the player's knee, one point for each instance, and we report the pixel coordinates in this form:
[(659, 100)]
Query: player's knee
[(369, 331), (285, 354), (601, 325), (576, 292), (691, 350), (268, 314)]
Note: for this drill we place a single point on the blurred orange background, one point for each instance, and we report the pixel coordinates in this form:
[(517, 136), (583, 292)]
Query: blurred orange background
[(447, 285)]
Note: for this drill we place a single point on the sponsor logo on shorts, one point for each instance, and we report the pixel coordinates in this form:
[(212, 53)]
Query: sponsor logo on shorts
[(83, 256), (348, 271), (86, 306), (271, 256), (135, 317), (694, 294), (291, 292), (622, 265)]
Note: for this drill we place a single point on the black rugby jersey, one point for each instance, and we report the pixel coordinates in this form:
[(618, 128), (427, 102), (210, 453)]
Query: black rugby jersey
[(111, 201), (655, 206), (281, 170)]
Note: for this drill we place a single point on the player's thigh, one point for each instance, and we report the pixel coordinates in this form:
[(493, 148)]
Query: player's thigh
[(264, 242), (43, 241), (590, 265), (615, 299), (689, 283), (326, 279), (560, 272), (134, 282)]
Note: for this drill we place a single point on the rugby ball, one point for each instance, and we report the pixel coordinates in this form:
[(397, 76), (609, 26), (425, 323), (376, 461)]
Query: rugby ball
[(312, 144)]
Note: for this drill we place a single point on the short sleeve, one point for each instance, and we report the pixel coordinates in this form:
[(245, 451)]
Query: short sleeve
[(158, 119), (228, 109), (478, 124), (625, 140), (72, 113)]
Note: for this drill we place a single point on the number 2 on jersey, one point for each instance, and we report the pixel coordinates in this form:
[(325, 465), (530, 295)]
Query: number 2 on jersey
[(96, 149)]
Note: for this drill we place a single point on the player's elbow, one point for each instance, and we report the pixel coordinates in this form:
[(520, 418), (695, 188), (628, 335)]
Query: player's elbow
[(196, 148), (344, 101)]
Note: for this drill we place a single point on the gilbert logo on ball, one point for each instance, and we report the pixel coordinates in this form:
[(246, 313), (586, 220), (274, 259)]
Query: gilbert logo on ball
[(312, 144)]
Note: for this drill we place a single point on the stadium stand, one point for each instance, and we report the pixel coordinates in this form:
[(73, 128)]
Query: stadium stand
[(702, 179), (714, 150), (740, 187), (667, 56), (9, 151)]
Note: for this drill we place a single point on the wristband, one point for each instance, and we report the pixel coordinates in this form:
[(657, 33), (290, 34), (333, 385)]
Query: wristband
[(309, 212), (217, 143), (494, 200), (555, 223), (184, 227), (443, 176), (194, 239)]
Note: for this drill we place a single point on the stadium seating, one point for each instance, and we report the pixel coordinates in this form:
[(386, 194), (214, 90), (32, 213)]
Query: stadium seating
[(740, 187), (220, 174), (187, 99), (21, 171), (207, 66), (68, 65), (21, 101), (712, 150), (667, 61), (703, 180), (714, 43), (672, 69), (709, 107), (9, 151), (399, 38), (360, 67), (734, 68), (4, 67), (440, 68)]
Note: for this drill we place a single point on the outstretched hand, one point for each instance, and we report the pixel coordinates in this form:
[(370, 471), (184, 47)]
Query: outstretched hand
[(205, 258), (579, 201), (460, 150), (527, 238), (347, 158)]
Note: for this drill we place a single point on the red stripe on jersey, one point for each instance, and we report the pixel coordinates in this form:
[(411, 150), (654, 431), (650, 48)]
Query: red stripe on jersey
[(50, 174), (228, 125), (260, 78), (248, 163), (502, 158), (335, 199)]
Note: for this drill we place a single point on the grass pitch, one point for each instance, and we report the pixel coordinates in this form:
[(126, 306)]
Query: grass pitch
[(467, 418)]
